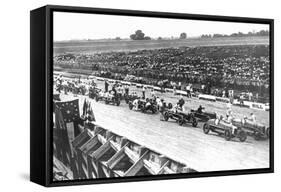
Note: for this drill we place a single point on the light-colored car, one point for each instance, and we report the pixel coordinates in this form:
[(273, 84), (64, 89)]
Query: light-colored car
[(224, 128)]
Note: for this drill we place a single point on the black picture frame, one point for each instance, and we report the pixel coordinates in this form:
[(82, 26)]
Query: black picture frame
[(41, 73)]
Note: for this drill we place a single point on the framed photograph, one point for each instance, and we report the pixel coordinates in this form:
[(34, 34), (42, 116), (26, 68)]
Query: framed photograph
[(125, 95)]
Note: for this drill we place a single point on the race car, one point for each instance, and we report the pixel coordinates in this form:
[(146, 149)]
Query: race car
[(203, 116), (108, 98), (224, 128), (143, 107), (257, 130), (82, 89), (93, 92), (130, 98), (180, 117)]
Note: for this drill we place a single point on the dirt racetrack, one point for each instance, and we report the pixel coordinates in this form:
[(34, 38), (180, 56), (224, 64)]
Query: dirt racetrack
[(185, 144)]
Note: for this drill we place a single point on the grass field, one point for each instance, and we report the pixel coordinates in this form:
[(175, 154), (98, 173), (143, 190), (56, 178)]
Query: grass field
[(128, 45)]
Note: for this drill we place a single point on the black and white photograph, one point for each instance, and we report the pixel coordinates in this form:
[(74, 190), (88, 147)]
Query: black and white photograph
[(137, 96)]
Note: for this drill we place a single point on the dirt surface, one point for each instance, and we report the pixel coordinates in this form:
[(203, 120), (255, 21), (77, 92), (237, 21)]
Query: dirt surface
[(185, 144)]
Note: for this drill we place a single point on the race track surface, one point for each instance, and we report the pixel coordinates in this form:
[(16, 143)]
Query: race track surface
[(185, 144)]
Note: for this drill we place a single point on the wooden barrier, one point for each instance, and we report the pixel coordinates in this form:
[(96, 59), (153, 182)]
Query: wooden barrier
[(101, 153)]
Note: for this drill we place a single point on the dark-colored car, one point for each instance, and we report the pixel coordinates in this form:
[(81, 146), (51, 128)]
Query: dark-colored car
[(258, 131), (203, 116), (180, 117)]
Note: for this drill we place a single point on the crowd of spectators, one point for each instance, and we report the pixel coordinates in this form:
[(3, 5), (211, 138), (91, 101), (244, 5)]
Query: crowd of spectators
[(244, 67)]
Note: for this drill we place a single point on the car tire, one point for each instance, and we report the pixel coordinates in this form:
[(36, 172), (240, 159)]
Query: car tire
[(267, 132), (206, 128), (181, 121), (166, 116), (227, 134), (242, 136), (257, 136), (130, 105), (118, 103), (194, 122)]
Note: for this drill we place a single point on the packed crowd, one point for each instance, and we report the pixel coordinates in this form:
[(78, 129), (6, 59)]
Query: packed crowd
[(235, 67)]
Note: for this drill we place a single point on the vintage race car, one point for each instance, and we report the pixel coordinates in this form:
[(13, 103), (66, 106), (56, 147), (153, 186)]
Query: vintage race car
[(180, 117), (224, 128), (258, 131), (108, 99), (93, 92), (82, 89), (130, 98), (204, 116), (142, 106)]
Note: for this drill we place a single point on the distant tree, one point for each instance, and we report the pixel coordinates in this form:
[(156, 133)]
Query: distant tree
[(206, 36), (183, 36), (217, 35), (117, 38), (263, 32), (133, 36), (147, 38), (239, 34), (139, 35), (159, 38), (250, 34)]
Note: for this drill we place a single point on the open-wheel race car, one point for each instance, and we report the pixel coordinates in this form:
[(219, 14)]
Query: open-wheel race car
[(82, 89), (93, 92), (108, 98), (257, 130), (143, 107), (224, 128), (130, 98), (180, 117), (203, 116)]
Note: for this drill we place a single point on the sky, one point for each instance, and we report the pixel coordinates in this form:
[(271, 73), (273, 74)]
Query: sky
[(78, 26)]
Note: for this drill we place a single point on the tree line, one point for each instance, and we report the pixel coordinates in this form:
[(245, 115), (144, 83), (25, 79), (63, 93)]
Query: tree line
[(239, 34)]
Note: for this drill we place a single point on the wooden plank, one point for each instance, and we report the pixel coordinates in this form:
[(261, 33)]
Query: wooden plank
[(136, 166), (134, 157), (89, 144), (58, 165), (101, 150), (82, 138), (161, 171), (116, 157)]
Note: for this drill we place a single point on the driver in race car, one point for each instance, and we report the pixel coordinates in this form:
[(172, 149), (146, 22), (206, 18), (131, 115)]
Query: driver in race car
[(147, 104), (200, 109), (229, 118), (253, 118), (161, 106), (177, 108), (181, 102)]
